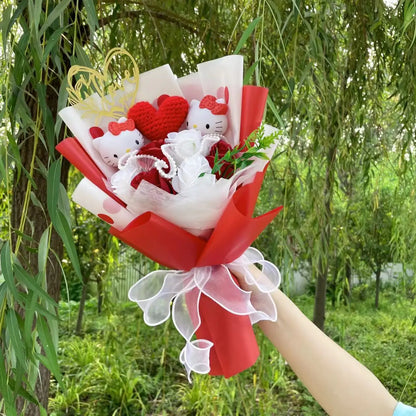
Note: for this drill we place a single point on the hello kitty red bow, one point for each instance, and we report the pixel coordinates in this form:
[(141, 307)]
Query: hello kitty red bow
[(117, 127), (210, 102)]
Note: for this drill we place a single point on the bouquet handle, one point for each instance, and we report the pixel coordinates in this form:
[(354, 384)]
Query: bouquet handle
[(235, 347)]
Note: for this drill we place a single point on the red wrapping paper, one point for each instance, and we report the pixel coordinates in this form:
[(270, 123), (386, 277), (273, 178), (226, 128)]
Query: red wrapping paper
[(252, 109), (235, 347), (233, 353)]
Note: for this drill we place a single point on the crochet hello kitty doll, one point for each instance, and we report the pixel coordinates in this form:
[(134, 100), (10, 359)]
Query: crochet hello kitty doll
[(209, 115), (122, 137)]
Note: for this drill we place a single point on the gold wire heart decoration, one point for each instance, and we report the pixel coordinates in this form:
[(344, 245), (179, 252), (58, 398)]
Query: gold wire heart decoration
[(106, 93)]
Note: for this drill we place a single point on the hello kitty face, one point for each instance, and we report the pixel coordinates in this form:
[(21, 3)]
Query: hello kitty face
[(208, 116), (122, 137)]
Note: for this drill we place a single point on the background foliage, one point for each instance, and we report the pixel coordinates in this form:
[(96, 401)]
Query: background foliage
[(342, 87)]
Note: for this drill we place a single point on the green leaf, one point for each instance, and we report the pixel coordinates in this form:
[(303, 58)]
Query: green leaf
[(5, 22), (275, 112), (92, 18), (249, 72), (63, 204), (35, 201), (49, 123), (3, 291), (245, 163), (30, 310), (4, 174), (43, 251), (14, 151), (16, 339), (55, 14), (81, 58), (59, 220), (66, 235), (408, 13), (53, 41), (62, 102), (44, 312), (35, 10), (50, 359), (7, 269), (36, 54), (6, 390), (53, 183), (22, 392), (246, 34), (28, 280), (10, 21)]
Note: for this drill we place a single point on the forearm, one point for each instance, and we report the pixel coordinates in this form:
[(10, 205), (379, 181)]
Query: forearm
[(338, 382)]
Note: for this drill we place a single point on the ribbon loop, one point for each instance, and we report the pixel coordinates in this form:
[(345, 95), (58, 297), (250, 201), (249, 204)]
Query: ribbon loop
[(185, 312), (266, 282), (155, 292), (223, 290), (195, 357)]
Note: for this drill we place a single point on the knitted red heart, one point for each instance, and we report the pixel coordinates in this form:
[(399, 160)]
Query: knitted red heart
[(156, 124)]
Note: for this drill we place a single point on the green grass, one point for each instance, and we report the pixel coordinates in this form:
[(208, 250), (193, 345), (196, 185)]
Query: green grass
[(384, 340), (122, 367)]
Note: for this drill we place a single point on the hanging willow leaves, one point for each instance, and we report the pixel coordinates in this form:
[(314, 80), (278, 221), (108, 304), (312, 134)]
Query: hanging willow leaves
[(60, 220), (341, 79), (38, 40)]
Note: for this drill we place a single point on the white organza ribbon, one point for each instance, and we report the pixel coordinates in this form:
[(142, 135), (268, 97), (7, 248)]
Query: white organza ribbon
[(155, 292)]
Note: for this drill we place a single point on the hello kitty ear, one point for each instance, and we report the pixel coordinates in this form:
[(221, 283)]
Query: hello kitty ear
[(194, 103), (224, 93), (96, 132)]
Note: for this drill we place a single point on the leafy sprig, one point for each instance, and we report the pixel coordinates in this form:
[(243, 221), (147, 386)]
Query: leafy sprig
[(239, 157)]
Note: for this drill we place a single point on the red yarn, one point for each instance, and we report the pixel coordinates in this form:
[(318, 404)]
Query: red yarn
[(152, 176), (210, 102), (96, 132), (116, 128), (156, 124)]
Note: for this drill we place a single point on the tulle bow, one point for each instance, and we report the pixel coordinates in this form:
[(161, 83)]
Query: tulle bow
[(155, 293)]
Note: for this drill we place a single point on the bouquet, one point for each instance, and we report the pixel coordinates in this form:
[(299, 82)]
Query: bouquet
[(175, 166)]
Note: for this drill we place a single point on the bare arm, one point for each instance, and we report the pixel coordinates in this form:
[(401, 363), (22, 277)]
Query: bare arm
[(340, 384)]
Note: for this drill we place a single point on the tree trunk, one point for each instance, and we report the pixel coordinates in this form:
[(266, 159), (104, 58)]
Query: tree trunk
[(78, 329), (320, 299), (36, 223), (378, 281), (322, 272), (28, 256), (348, 275), (334, 282), (320, 295)]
